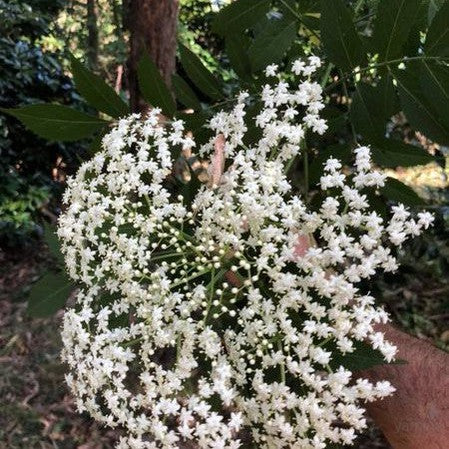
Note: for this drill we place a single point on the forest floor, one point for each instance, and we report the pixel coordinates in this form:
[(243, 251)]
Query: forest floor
[(36, 410)]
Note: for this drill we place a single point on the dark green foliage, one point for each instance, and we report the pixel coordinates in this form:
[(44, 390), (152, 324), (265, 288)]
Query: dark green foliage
[(341, 41), (394, 153), (397, 191), (184, 93), (57, 122), (51, 239), (435, 86), (394, 21), (96, 92), (29, 75), (153, 88), (28, 18), (417, 106), (372, 106), (199, 74), (237, 46), (49, 294), (240, 15), (270, 45), (437, 40), (363, 357)]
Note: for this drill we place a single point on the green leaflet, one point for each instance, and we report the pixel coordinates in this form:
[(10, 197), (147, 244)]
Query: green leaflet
[(96, 92), (341, 41), (153, 87), (49, 294), (57, 122)]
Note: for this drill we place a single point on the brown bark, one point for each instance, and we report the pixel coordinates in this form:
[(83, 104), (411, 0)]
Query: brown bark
[(152, 25), (92, 34)]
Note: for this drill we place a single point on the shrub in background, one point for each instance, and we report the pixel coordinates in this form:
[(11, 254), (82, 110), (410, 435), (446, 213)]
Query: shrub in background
[(29, 75)]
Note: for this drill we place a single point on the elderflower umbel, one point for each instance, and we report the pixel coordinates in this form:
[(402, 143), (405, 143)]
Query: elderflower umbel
[(225, 318)]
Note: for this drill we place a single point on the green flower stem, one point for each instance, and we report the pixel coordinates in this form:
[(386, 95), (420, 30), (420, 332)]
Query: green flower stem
[(327, 72), (282, 365), (369, 67), (132, 342), (299, 17), (215, 277), (186, 280), (346, 94), (306, 172), (211, 296)]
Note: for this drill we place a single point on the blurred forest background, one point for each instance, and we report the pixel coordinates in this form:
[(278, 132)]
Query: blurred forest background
[(36, 40)]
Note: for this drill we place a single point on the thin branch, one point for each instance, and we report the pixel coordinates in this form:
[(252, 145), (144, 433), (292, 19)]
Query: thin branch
[(345, 76)]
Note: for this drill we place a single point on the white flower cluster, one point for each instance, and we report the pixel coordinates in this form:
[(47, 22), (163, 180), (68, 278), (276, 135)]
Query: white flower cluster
[(222, 322)]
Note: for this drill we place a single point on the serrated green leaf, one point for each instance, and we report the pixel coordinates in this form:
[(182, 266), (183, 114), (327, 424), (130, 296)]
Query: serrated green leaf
[(49, 294), (196, 123), (253, 133), (398, 192), (199, 74), (417, 107), (153, 88), (239, 15), (363, 357), (437, 40), (57, 122), (271, 44), (341, 41), (388, 97), (342, 152), (392, 26), (435, 86), (363, 114), (237, 46), (391, 153), (51, 239), (96, 144), (184, 94), (372, 106), (96, 92)]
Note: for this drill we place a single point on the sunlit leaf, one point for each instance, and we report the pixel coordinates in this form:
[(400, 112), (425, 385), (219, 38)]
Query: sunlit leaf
[(153, 87), (341, 41), (184, 93), (271, 44), (395, 153), (417, 105), (97, 92), (51, 239), (57, 122), (239, 15), (237, 50), (49, 294), (394, 21), (398, 192), (199, 74)]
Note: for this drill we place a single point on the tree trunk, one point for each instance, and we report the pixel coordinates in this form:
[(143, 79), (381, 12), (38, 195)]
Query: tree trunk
[(152, 25), (92, 34)]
